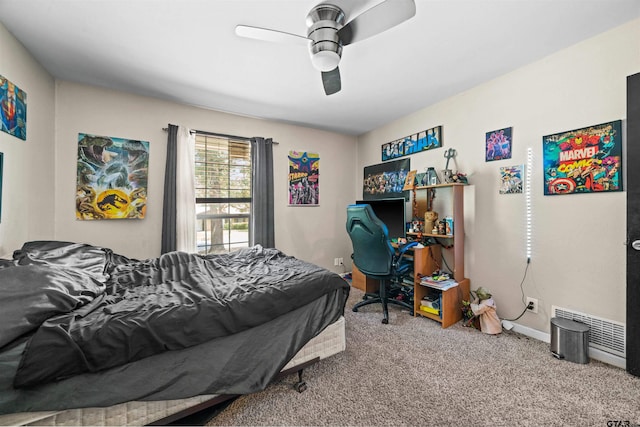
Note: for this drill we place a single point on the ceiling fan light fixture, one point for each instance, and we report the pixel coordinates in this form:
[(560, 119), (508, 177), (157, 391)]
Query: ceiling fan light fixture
[(325, 60)]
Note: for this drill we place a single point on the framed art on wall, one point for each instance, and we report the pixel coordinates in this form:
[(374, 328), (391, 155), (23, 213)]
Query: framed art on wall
[(421, 141), (386, 180), (511, 179), (498, 144), (111, 178), (587, 160), (304, 178), (13, 109), (1, 172)]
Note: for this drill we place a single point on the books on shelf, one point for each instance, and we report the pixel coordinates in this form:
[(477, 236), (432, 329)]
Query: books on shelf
[(430, 310), (442, 285)]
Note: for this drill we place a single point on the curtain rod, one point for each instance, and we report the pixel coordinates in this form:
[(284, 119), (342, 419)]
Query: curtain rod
[(221, 135)]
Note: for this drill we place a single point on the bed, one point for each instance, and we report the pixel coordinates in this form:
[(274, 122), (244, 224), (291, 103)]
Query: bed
[(88, 336)]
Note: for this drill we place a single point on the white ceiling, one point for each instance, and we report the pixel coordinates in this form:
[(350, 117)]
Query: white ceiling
[(187, 51)]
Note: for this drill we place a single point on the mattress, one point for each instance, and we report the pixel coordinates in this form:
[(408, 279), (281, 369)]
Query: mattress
[(329, 342)]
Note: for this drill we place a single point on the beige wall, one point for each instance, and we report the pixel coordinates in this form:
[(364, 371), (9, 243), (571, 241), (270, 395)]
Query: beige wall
[(39, 174), (315, 234), (578, 259), (27, 190)]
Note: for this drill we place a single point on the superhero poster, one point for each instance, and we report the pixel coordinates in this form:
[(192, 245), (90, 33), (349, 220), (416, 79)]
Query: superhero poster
[(587, 160), (412, 144), (386, 180), (1, 161), (304, 185), (13, 109), (111, 178)]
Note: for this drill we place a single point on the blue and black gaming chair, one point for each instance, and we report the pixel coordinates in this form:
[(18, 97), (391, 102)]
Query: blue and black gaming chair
[(375, 257)]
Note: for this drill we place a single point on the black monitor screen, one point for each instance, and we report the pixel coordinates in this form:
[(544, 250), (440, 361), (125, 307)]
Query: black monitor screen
[(391, 212)]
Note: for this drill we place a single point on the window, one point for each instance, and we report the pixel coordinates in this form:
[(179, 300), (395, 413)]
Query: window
[(223, 193)]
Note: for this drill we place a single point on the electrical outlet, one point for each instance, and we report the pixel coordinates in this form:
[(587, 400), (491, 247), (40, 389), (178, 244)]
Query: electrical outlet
[(532, 305), (336, 261), (340, 261)]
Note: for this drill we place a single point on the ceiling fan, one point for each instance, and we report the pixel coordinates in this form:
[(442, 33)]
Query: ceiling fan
[(327, 33)]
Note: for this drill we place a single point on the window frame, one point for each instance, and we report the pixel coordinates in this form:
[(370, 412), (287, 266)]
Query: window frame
[(209, 245)]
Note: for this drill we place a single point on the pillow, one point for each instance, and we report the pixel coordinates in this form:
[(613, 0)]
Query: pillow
[(90, 259), (30, 294)]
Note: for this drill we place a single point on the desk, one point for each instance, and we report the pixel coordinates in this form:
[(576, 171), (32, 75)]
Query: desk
[(362, 282), (425, 261)]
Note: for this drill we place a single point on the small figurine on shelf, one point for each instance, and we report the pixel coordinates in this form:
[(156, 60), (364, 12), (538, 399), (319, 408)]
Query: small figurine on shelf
[(460, 178), (449, 225), (442, 227), (430, 218), (447, 174)]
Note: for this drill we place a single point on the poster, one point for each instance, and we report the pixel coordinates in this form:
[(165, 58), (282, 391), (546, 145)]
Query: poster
[(111, 178), (304, 173), (498, 145), (386, 180), (421, 141), (587, 160), (1, 169), (511, 179), (13, 109)]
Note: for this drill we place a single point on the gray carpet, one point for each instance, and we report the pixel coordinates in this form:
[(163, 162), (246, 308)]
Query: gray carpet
[(412, 372)]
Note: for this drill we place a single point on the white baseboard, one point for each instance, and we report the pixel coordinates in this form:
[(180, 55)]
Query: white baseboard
[(594, 353)]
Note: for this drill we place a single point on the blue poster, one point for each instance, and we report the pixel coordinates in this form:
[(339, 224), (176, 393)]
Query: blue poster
[(13, 109)]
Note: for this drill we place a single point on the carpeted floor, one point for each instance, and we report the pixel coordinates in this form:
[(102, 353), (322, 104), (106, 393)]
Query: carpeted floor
[(412, 372)]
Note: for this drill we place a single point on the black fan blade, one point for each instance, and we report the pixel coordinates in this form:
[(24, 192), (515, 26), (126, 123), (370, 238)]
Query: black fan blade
[(379, 18), (270, 35), (331, 81)]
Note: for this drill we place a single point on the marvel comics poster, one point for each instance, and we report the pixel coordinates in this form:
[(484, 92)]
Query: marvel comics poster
[(304, 174), (13, 109), (111, 178), (386, 180), (587, 160)]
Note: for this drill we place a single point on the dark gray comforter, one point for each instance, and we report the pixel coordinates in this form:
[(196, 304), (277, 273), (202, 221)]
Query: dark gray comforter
[(79, 309)]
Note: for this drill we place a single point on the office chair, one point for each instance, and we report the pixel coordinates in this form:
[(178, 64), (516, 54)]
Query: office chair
[(375, 257)]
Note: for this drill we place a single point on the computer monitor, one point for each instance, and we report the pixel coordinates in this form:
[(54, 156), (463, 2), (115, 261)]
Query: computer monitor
[(391, 212)]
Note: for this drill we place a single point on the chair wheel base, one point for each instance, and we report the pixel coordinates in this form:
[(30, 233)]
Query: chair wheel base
[(300, 386)]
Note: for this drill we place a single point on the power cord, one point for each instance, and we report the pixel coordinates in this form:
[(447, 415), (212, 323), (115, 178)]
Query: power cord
[(522, 291)]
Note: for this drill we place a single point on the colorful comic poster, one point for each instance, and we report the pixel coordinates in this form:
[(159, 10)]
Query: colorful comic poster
[(587, 160), (386, 180), (111, 178), (421, 141), (511, 179), (1, 166), (13, 109), (304, 174), (498, 144)]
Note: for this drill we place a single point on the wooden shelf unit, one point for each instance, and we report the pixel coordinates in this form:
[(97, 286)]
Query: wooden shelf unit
[(451, 299)]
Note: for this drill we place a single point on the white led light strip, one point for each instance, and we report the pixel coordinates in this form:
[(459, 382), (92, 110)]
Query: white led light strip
[(528, 198)]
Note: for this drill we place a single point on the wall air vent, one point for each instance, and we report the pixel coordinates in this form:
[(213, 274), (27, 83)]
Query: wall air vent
[(605, 335)]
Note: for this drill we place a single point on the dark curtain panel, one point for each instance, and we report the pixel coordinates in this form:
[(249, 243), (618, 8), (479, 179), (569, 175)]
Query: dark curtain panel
[(262, 224), (169, 204)]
